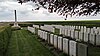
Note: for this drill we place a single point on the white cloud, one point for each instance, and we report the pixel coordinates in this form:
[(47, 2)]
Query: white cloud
[(25, 13)]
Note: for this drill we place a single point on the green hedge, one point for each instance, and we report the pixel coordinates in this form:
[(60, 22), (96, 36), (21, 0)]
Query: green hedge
[(23, 25), (57, 31), (5, 34)]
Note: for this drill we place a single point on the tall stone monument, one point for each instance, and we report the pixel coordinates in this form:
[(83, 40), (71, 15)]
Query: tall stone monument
[(15, 23)]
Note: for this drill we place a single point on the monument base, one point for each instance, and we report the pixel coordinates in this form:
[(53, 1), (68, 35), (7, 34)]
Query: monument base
[(16, 26)]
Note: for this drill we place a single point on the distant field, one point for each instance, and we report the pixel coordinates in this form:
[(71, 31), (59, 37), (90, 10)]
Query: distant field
[(1, 27), (83, 23), (87, 23), (92, 23)]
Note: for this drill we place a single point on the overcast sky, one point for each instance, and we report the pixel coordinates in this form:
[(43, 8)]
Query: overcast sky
[(25, 13)]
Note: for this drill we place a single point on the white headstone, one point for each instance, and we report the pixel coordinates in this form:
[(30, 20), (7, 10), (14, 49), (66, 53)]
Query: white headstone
[(63, 30), (31, 29), (55, 41), (79, 27), (80, 35), (86, 37), (39, 32), (72, 48), (98, 40), (60, 30), (43, 36), (46, 36), (72, 34), (76, 27), (69, 33), (65, 45), (52, 39), (66, 32), (92, 38), (92, 32), (60, 40), (36, 26), (95, 30), (76, 34), (88, 30), (98, 29), (84, 29)]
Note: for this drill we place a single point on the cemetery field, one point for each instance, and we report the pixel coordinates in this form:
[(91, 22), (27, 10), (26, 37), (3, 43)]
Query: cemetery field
[(23, 43), (51, 38), (77, 39)]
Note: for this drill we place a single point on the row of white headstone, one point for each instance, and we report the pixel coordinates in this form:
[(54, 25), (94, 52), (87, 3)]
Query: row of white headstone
[(37, 26), (49, 28), (63, 44), (83, 29), (80, 33), (69, 47), (31, 29)]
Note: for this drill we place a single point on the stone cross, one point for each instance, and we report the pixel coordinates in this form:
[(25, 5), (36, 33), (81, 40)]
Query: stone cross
[(15, 23), (15, 17)]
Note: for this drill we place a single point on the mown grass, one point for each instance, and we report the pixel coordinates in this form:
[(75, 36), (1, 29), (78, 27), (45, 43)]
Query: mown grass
[(5, 34), (93, 51), (23, 43)]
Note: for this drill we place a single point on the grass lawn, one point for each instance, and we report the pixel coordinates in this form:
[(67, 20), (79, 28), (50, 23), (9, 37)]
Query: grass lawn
[(23, 43), (93, 51)]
